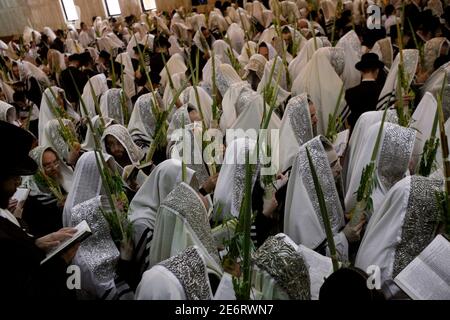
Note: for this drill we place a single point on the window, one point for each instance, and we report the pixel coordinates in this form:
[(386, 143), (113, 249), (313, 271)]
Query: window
[(69, 9), (113, 7), (148, 5)]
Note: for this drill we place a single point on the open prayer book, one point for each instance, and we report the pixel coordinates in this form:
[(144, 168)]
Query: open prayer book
[(427, 277), (83, 232), (21, 194), (341, 142)]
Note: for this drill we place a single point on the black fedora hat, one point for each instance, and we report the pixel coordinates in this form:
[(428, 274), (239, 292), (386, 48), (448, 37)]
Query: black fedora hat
[(369, 61), (16, 143)]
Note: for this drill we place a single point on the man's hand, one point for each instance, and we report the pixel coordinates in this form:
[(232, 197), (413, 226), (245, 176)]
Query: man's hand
[(270, 207), (353, 233), (12, 205), (70, 253), (210, 184), (53, 240), (126, 250)]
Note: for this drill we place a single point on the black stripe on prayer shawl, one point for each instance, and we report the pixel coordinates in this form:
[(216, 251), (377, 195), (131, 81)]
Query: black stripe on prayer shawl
[(386, 99), (346, 112), (106, 294), (143, 250)]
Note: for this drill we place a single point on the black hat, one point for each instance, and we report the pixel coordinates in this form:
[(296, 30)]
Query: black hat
[(369, 61), (16, 142), (75, 57), (105, 55), (348, 283)]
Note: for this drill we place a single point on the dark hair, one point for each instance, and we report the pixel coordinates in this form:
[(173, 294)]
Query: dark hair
[(286, 30), (218, 5), (19, 96), (94, 18), (441, 60), (203, 29), (82, 24), (389, 10), (262, 45)]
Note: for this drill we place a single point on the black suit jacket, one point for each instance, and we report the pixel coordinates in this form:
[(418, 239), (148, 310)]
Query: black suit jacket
[(21, 275), (362, 98)]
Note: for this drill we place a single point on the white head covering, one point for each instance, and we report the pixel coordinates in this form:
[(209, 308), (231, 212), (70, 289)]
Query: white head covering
[(295, 130), (249, 49), (7, 112), (410, 61), (306, 53), (236, 36), (402, 227), (270, 79), (302, 219), (280, 272), (223, 50), (392, 161), (205, 100), (111, 105), (7, 90), (142, 123), (182, 277), (182, 221), (358, 139), (91, 94), (174, 65), (52, 137), (97, 122), (50, 34), (121, 133), (320, 79), (48, 105), (352, 52), (432, 50), (225, 77), (229, 191), (36, 189), (87, 183)]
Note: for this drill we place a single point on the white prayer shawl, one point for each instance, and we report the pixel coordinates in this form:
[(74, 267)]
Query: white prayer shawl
[(86, 39), (280, 271), (174, 65), (142, 123), (208, 70), (50, 34), (243, 109), (140, 38), (206, 102), (217, 21), (402, 227), (223, 50), (7, 112), (73, 46), (181, 222), (225, 77), (145, 204), (31, 35), (87, 183), (98, 255), (302, 59), (182, 277), (257, 63), (320, 79), (410, 61), (229, 191), (271, 79), (119, 132), (111, 105), (236, 36), (36, 189), (432, 50), (392, 163), (175, 46), (89, 141), (248, 50), (94, 88), (383, 48), (109, 42), (52, 137), (267, 36), (290, 11), (48, 104), (128, 78), (178, 80), (358, 140), (7, 90), (302, 217), (422, 121), (295, 130), (352, 52)]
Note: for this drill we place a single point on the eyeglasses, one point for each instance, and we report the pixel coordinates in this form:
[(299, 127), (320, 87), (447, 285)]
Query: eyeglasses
[(54, 165)]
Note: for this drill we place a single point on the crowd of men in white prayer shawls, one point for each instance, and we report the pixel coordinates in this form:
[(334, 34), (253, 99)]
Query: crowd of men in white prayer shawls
[(88, 119)]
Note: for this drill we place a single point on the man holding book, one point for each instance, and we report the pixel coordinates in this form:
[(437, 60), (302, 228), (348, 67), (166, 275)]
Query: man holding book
[(21, 273)]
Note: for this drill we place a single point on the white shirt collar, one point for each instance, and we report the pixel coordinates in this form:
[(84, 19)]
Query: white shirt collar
[(8, 215)]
